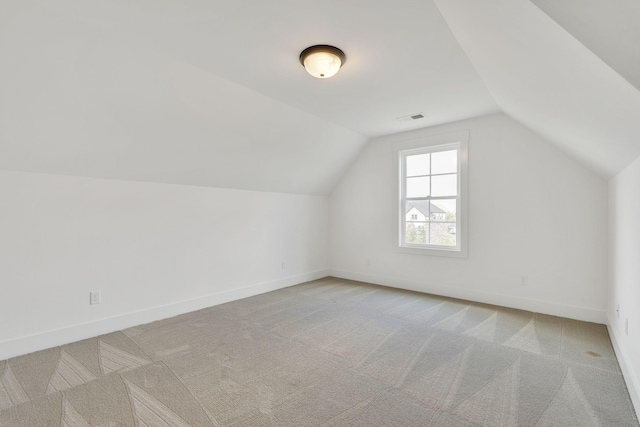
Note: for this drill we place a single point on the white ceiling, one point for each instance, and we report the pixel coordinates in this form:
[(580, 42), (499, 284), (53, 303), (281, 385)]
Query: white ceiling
[(610, 29), (545, 78), (211, 92)]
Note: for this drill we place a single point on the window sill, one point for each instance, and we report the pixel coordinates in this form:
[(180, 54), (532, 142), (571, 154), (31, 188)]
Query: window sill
[(449, 253)]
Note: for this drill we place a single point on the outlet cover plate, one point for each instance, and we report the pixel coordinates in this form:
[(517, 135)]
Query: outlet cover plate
[(95, 297)]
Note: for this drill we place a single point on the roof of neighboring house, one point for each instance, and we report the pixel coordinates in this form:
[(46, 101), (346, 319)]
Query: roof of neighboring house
[(423, 207)]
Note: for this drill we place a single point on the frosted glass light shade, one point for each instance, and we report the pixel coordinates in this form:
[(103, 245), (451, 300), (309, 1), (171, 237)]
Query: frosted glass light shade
[(322, 64), (322, 61)]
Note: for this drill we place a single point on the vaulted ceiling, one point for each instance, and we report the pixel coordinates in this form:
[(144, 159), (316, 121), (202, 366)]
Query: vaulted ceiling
[(211, 92), (545, 77)]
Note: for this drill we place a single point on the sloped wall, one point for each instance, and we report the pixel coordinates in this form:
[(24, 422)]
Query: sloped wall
[(154, 250), (533, 211)]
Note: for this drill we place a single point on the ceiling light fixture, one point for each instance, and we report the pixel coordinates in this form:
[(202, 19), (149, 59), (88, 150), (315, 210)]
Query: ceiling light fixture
[(322, 61)]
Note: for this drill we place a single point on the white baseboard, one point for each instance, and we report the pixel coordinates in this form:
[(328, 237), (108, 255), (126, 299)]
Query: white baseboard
[(536, 306), (630, 375), (54, 338)]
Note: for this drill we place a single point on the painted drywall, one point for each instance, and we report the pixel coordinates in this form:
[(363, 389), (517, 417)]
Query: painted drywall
[(83, 96), (624, 274), (544, 77), (533, 211), (608, 28), (145, 246)]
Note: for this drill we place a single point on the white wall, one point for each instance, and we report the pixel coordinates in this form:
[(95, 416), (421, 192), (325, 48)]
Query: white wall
[(533, 211), (154, 250), (624, 270)]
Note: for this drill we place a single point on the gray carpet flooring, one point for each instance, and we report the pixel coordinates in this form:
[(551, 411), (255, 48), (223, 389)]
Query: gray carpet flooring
[(328, 353)]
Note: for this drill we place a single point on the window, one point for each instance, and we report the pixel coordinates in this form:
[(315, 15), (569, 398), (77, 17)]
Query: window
[(432, 195)]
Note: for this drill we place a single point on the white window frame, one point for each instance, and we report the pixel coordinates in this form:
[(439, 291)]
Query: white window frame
[(458, 140)]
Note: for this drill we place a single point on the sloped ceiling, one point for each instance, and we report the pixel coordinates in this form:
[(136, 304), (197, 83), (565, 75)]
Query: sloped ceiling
[(610, 29), (210, 92), (543, 76)]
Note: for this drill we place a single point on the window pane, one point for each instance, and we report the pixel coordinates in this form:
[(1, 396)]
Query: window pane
[(444, 185), (417, 210), (443, 210), (442, 233), (416, 232), (418, 165), (444, 162), (418, 187)]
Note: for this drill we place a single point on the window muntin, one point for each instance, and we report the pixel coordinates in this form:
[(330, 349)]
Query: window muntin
[(430, 197)]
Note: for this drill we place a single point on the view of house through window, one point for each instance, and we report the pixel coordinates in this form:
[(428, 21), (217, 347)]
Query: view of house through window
[(430, 196)]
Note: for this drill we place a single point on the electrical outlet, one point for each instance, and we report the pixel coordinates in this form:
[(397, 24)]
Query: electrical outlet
[(367, 262), (618, 311), (524, 280), (284, 265), (95, 297), (626, 327)]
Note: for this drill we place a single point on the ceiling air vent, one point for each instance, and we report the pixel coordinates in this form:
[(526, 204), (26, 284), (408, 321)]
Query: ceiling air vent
[(411, 117)]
